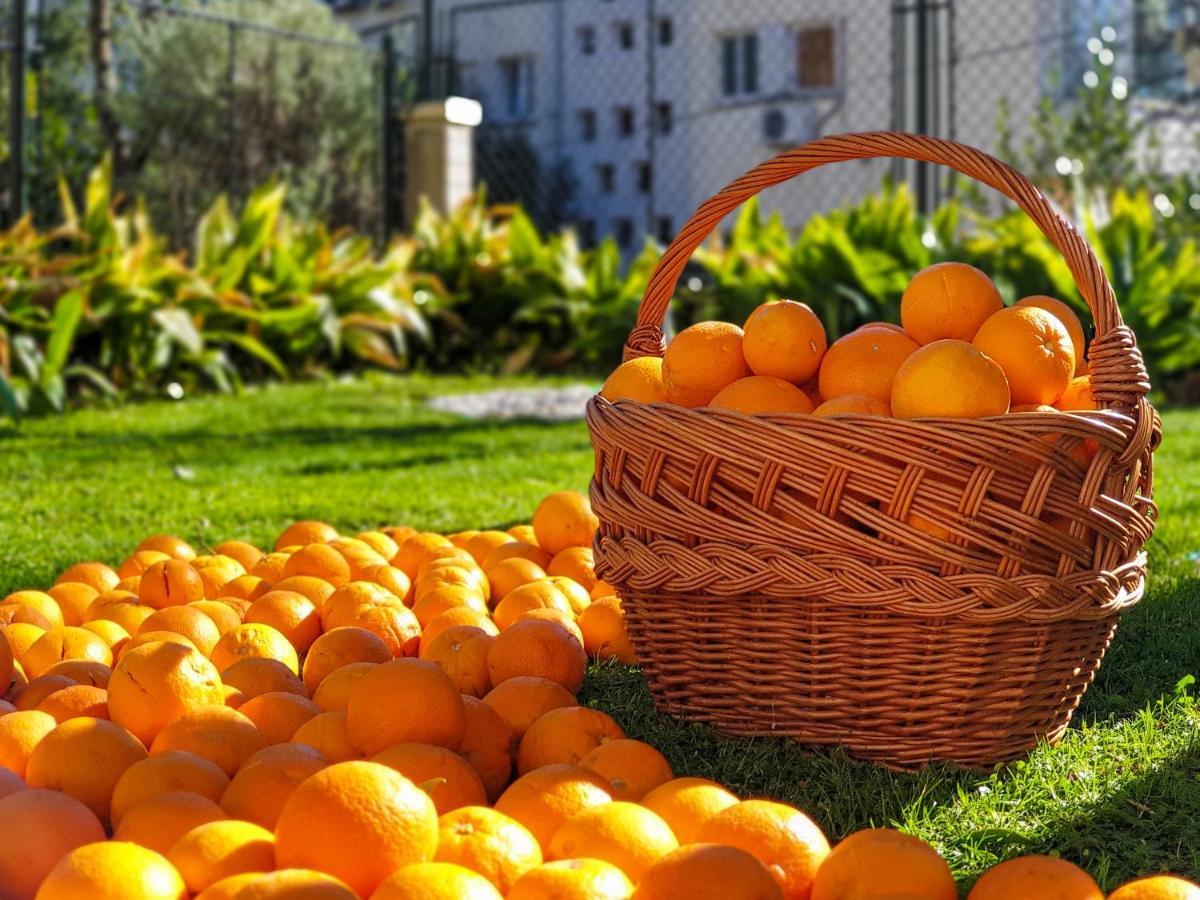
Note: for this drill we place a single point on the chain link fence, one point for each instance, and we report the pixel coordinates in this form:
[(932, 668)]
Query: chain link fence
[(617, 117)]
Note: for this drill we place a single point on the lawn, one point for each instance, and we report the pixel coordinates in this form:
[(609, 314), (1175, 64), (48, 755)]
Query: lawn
[(1120, 795)]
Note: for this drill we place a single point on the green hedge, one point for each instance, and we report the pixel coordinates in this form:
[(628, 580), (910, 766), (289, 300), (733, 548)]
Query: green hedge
[(99, 306)]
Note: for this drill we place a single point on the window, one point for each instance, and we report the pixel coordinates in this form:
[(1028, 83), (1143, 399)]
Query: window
[(644, 174), (587, 124), (663, 117), (665, 228), (816, 58), (625, 120), (586, 37), (587, 232), (606, 174), (516, 74), (624, 32), (665, 28), (739, 65), (624, 229)]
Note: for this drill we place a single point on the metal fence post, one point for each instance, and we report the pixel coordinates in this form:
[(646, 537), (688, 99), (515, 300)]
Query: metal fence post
[(392, 202), (16, 112)]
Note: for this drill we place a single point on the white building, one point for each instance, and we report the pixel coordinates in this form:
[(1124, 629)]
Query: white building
[(651, 106)]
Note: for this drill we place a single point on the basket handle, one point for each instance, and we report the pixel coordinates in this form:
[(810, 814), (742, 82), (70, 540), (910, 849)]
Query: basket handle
[(1118, 373)]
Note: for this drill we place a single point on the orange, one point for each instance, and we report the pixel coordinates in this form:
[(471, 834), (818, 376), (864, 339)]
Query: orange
[(865, 362), (10, 782), (113, 870), (246, 554), (20, 636), (216, 850), (633, 768), (357, 821), (17, 614), (462, 652), (174, 547), (784, 340), (82, 671), (292, 615), (762, 395), (523, 700), (392, 579), (156, 637), (31, 695), (687, 803), (438, 600), (254, 641), (129, 584), (853, 404), (243, 587), (270, 567), (522, 549), (876, 862), (316, 590), (20, 733), (164, 773), (1157, 887), (565, 735), (404, 701), (300, 534), (37, 829), (1070, 321), (436, 881), (708, 872), (319, 561), (73, 599), (416, 550), (267, 779), (278, 714), (947, 300), (523, 532), (1044, 877), (558, 617), (282, 884), (572, 879), (576, 563), (327, 733), (542, 594), (457, 615), (333, 693), (254, 676), (123, 609), (490, 843), (110, 632), (158, 822), (1077, 396), (781, 837), (158, 682), (192, 623), (542, 800), (699, 362), (577, 595), (136, 564), (949, 379), (564, 519), (624, 834), (64, 642), (394, 624), (542, 649), (218, 575), (449, 780), (96, 574), (380, 542), (604, 633), (638, 379), (336, 648), (487, 745), (358, 555), (603, 589), (221, 735), (481, 544), (171, 582), (1034, 350), (37, 601), (84, 758), (76, 701)]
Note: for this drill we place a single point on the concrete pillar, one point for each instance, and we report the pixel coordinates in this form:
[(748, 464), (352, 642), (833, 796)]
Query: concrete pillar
[(439, 154)]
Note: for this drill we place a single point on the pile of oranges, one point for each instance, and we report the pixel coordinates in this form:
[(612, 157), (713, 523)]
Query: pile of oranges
[(387, 716), (958, 353)]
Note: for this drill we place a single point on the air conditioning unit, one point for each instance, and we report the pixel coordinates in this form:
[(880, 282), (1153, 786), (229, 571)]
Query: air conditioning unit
[(790, 125)]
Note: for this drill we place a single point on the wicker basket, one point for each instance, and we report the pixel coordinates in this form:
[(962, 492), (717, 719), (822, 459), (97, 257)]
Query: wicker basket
[(772, 585)]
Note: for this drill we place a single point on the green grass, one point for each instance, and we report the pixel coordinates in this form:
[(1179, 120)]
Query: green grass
[(1120, 795)]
